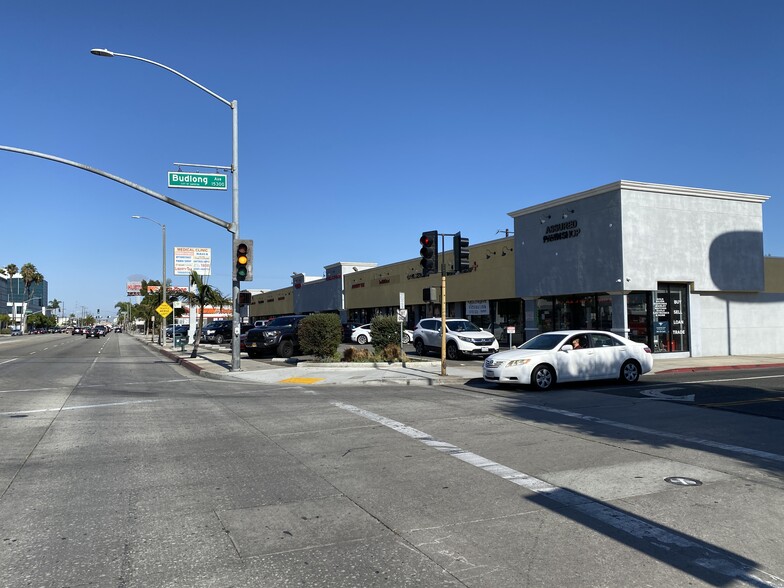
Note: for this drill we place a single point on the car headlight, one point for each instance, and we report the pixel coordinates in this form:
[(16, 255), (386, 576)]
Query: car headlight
[(516, 362), (466, 339), (272, 334)]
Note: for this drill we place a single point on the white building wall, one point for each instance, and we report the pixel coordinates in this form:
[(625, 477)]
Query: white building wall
[(740, 324)]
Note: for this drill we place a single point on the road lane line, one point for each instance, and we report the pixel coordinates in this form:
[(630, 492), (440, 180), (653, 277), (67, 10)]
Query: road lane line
[(80, 407), (698, 552)]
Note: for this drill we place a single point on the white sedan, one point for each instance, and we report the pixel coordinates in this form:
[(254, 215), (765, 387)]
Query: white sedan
[(569, 356), (362, 336)]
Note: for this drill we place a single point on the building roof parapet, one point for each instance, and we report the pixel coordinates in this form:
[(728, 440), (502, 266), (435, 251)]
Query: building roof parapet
[(642, 187)]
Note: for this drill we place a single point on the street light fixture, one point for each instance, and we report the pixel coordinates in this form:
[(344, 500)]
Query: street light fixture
[(162, 340), (234, 228)]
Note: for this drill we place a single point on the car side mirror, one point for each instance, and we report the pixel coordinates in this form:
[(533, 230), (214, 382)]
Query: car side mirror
[(567, 347)]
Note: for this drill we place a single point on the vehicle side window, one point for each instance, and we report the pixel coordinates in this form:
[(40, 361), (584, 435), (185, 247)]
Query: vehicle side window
[(600, 340), (429, 325)]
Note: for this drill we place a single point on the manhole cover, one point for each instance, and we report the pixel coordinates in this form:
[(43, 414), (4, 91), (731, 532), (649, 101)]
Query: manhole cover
[(681, 481)]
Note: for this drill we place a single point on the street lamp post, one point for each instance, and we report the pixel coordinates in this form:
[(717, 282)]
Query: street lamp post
[(234, 229), (162, 340)]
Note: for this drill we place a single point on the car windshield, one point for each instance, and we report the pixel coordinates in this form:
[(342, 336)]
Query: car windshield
[(281, 321), (544, 341), (461, 326)]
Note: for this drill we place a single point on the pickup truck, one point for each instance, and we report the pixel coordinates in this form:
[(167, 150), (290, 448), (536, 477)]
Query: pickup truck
[(280, 335)]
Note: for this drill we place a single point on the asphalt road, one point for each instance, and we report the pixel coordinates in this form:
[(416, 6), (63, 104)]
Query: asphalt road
[(119, 469)]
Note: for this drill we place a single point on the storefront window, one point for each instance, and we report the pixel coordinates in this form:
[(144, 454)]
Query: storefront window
[(670, 320), (544, 314), (638, 306)]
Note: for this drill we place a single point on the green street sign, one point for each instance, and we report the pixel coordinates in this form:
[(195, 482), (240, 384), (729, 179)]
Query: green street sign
[(197, 181)]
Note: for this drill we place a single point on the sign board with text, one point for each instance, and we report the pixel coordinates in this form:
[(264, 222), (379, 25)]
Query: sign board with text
[(192, 259), (197, 181)]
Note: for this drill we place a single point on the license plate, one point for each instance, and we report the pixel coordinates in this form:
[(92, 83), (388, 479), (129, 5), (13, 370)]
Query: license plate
[(250, 345), (485, 349)]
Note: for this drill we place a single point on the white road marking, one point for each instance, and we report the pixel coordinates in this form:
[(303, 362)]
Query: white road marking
[(81, 407), (8, 360), (701, 554), (660, 395), (737, 379)]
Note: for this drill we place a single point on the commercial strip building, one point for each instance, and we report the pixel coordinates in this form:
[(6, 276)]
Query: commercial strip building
[(681, 269)]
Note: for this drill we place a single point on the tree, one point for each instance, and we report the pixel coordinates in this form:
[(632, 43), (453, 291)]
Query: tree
[(204, 295), (55, 305), (12, 270)]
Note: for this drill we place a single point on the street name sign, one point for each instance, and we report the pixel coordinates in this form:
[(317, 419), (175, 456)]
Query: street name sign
[(197, 180)]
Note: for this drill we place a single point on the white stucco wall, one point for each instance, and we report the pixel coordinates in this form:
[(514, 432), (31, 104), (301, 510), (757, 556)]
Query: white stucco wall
[(740, 324)]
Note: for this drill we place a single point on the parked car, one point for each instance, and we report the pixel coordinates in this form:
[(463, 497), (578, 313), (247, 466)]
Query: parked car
[(244, 334), (568, 356), (361, 335), (178, 330), (279, 335), (17, 332), (462, 338), (217, 332)]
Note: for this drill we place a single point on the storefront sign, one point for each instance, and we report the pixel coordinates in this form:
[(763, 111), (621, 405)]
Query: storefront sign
[(477, 307), (560, 231)]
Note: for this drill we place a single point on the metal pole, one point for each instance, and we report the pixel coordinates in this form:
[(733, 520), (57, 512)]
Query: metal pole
[(164, 290), (443, 323), (235, 232)]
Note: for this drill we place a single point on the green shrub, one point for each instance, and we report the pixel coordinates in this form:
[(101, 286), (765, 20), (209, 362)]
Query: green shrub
[(320, 335), (384, 330)]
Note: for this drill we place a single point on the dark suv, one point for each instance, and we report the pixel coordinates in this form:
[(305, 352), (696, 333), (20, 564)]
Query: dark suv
[(217, 332), (279, 334)]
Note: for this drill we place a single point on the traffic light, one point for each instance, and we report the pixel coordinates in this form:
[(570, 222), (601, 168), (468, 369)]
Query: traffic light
[(460, 250), (429, 294), (243, 260), (429, 252)]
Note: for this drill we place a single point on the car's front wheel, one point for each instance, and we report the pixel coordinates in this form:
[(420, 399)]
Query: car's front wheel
[(630, 372), (543, 377), (219, 339), (286, 348), (452, 352)]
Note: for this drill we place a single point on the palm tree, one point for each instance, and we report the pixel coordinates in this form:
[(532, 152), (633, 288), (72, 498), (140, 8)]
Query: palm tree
[(205, 294), (30, 276), (55, 305), (12, 270)]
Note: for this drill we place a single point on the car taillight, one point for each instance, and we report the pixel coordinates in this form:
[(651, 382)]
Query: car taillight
[(647, 349)]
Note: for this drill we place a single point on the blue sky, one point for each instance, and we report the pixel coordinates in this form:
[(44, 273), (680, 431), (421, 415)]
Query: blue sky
[(363, 123)]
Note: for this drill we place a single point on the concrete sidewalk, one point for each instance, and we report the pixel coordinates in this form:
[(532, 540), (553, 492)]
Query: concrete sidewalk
[(214, 361)]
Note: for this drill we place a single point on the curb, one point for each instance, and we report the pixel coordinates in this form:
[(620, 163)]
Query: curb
[(720, 368)]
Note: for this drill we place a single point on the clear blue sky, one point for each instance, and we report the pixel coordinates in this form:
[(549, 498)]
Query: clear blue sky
[(363, 123)]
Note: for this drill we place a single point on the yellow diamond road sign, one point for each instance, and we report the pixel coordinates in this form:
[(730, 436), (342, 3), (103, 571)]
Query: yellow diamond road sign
[(164, 309)]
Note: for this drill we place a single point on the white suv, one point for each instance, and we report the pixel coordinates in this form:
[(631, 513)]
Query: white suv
[(462, 338)]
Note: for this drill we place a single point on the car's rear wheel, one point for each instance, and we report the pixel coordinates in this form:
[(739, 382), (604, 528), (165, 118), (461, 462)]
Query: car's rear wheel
[(419, 345), (452, 352), (406, 338), (630, 372), (286, 348), (543, 377), (362, 339)]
